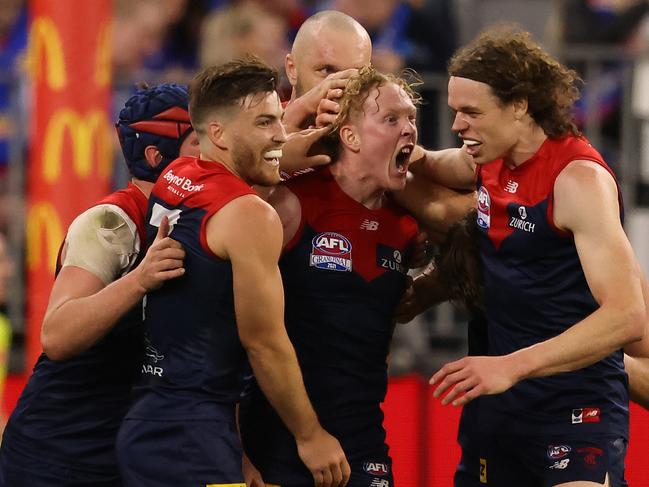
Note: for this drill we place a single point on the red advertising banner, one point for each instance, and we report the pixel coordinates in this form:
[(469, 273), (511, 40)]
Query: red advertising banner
[(70, 139)]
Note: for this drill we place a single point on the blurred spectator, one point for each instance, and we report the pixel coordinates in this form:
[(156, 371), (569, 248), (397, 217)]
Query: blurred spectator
[(139, 29), (13, 41), (294, 13), (387, 23), (243, 28), (601, 21), (177, 59), (432, 32), (598, 23), (6, 271)]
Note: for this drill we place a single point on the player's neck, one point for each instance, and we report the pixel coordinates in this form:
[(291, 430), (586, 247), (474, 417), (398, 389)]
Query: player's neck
[(358, 184), (222, 157), (529, 143), (142, 185)]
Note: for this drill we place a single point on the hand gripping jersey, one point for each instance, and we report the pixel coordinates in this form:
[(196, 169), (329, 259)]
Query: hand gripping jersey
[(70, 411), (535, 289), (193, 358), (344, 273)]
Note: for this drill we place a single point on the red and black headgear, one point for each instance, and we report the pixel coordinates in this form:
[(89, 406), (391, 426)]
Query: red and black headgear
[(155, 116)]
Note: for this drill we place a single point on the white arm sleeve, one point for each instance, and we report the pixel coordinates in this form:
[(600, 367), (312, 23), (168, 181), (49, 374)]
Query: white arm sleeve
[(104, 241)]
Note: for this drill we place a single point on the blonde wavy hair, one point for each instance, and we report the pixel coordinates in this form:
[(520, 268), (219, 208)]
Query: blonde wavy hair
[(359, 87)]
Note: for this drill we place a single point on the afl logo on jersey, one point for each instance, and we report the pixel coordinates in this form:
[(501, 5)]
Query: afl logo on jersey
[(332, 252), (484, 208), (376, 468)]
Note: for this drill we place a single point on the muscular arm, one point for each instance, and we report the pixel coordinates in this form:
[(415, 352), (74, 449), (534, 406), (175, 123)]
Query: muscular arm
[(435, 207), (453, 168), (613, 276), (82, 308), (248, 232), (611, 269)]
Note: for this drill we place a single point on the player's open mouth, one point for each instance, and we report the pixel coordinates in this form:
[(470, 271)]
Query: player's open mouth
[(272, 157), (403, 158), (472, 146)]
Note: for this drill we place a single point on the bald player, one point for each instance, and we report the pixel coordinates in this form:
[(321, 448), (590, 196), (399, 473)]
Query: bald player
[(328, 49)]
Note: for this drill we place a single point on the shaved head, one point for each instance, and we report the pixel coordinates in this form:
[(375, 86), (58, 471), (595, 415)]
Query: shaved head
[(327, 42), (330, 20)]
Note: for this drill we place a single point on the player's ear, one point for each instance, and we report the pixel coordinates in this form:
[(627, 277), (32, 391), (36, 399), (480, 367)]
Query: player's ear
[(350, 137), (215, 134), (152, 155), (290, 69), (520, 108)]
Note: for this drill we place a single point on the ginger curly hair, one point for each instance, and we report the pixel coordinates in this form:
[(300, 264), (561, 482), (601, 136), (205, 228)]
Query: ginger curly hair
[(359, 87)]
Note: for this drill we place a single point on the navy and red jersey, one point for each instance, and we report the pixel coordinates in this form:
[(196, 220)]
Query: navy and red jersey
[(194, 358), (70, 411), (344, 273), (535, 289)]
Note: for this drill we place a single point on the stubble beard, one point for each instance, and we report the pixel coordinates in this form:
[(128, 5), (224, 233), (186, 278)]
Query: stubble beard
[(251, 167)]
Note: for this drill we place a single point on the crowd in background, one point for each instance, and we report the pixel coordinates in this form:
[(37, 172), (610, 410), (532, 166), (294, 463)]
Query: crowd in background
[(168, 40)]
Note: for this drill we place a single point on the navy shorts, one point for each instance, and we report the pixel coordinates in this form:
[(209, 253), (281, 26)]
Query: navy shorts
[(17, 470), (376, 471), (179, 453), (272, 449), (505, 461)]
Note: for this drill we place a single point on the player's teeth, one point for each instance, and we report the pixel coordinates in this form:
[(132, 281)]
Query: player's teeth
[(273, 154)]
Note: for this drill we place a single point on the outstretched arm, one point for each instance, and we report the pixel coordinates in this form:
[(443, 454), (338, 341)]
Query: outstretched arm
[(436, 207), (453, 168), (89, 297), (248, 232)]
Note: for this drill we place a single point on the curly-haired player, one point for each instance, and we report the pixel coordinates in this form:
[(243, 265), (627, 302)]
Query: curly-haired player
[(344, 263), (563, 291)]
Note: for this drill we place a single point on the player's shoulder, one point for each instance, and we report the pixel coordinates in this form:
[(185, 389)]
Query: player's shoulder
[(583, 174), (249, 210), (107, 216)]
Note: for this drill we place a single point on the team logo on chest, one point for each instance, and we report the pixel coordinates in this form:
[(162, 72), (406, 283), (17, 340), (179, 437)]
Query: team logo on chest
[(484, 208), (521, 222), (332, 252)]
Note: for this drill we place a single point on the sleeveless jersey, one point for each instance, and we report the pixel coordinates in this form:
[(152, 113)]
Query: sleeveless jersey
[(535, 289), (194, 359), (70, 411), (344, 272)]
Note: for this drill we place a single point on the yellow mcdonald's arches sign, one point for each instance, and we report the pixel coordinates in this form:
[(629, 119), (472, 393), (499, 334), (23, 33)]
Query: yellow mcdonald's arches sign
[(92, 130), (44, 37), (43, 223), (102, 56)]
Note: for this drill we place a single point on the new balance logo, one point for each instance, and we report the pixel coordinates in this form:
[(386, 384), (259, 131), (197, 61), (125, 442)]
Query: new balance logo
[(369, 225), (511, 186)]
